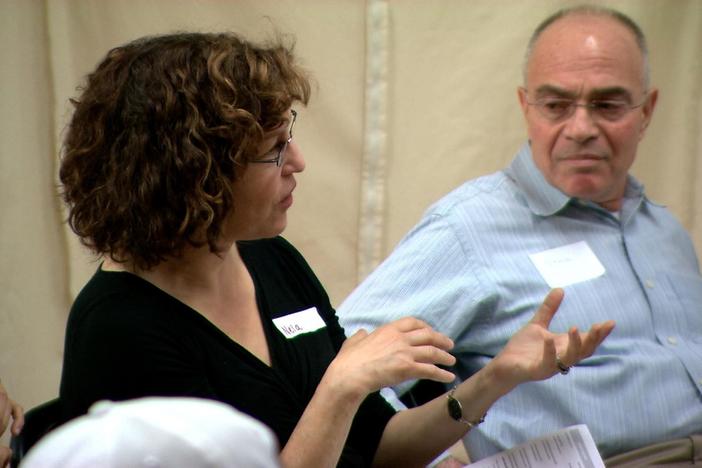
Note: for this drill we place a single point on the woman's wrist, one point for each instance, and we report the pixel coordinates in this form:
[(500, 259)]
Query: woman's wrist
[(494, 380), (341, 386)]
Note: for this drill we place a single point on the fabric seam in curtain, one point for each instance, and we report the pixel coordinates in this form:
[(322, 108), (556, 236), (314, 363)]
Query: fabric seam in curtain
[(59, 208), (372, 196)]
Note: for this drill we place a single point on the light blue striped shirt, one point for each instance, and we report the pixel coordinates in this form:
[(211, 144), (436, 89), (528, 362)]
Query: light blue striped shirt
[(465, 269)]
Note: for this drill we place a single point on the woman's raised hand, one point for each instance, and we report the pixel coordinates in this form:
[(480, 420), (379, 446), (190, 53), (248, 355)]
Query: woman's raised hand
[(535, 353), (405, 349)]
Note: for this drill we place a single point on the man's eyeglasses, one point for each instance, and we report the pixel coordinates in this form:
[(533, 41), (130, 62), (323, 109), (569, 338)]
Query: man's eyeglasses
[(282, 147), (557, 109)]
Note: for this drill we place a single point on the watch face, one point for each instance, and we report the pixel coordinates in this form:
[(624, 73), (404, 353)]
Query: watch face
[(454, 409)]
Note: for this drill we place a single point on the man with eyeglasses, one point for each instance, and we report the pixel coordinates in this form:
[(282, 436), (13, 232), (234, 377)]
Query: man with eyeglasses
[(566, 213)]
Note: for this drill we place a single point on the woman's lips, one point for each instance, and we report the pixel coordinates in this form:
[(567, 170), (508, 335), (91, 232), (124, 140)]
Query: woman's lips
[(287, 201)]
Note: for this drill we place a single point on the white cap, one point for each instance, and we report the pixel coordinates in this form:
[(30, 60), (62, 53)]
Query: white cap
[(157, 432)]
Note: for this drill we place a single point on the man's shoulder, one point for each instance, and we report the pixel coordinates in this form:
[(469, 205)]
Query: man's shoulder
[(484, 191)]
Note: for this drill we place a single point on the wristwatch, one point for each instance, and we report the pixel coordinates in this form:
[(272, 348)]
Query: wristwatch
[(455, 410)]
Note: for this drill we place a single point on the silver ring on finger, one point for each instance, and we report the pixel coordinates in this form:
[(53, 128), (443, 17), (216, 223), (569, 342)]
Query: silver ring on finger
[(562, 368)]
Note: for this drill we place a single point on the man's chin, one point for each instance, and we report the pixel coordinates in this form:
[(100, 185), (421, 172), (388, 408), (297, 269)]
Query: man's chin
[(584, 189)]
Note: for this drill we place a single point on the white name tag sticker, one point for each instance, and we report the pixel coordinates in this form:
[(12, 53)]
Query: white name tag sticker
[(294, 324), (570, 264)]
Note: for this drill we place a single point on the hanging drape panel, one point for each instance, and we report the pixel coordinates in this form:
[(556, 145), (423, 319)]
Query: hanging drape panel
[(411, 98)]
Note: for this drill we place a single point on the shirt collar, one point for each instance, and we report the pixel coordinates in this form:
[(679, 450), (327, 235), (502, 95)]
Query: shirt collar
[(543, 198)]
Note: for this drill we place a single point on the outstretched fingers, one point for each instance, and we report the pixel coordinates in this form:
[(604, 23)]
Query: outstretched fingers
[(427, 349), (548, 308), (420, 362), (429, 337), (598, 332), (407, 324), (432, 355), (420, 333), (405, 349), (432, 372), (583, 345), (573, 352)]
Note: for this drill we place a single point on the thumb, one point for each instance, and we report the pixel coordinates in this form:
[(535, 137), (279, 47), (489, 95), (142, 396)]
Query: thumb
[(356, 337), (548, 308)]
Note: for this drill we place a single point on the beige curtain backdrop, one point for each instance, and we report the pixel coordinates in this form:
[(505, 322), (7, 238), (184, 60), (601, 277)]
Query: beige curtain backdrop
[(412, 98)]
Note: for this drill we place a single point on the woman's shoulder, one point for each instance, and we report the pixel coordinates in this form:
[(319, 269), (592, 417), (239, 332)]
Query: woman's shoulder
[(279, 265), (112, 299), (272, 251), (277, 243)]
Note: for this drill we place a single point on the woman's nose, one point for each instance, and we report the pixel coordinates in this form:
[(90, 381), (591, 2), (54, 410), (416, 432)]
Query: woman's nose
[(294, 159)]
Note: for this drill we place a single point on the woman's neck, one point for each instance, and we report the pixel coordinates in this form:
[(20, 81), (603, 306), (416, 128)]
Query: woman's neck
[(219, 287), (197, 275)]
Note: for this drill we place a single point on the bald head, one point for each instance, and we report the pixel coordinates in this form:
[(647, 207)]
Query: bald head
[(586, 62), (569, 18)]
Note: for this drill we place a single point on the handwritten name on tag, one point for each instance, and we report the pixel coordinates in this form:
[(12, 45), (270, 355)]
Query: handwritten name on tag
[(294, 324), (572, 263)]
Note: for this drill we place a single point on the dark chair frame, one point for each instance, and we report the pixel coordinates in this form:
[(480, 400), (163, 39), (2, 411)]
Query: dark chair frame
[(38, 421)]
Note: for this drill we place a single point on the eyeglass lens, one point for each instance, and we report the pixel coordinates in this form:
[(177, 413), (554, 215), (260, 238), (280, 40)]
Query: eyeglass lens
[(284, 148), (556, 109)]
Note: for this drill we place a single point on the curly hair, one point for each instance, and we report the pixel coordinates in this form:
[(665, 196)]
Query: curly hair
[(160, 132)]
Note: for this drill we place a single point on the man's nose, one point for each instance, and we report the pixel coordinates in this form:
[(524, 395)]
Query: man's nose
[(581, 126)]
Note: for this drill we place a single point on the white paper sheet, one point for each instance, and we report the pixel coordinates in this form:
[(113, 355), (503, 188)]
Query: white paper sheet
[(571, 447)]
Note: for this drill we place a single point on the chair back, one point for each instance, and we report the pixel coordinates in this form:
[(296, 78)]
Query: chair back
[(37, 422)]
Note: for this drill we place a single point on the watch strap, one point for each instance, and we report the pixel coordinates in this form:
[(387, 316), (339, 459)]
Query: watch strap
[(455, 410)]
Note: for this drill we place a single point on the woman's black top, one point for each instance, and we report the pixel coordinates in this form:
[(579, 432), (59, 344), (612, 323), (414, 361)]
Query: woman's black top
[(126, 338)]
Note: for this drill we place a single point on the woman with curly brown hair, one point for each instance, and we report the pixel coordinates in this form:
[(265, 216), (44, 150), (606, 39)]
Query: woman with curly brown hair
[(178, 170)]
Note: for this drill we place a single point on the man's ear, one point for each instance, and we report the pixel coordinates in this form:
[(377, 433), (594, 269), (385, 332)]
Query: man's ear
[(522, 96), (647, 109)]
